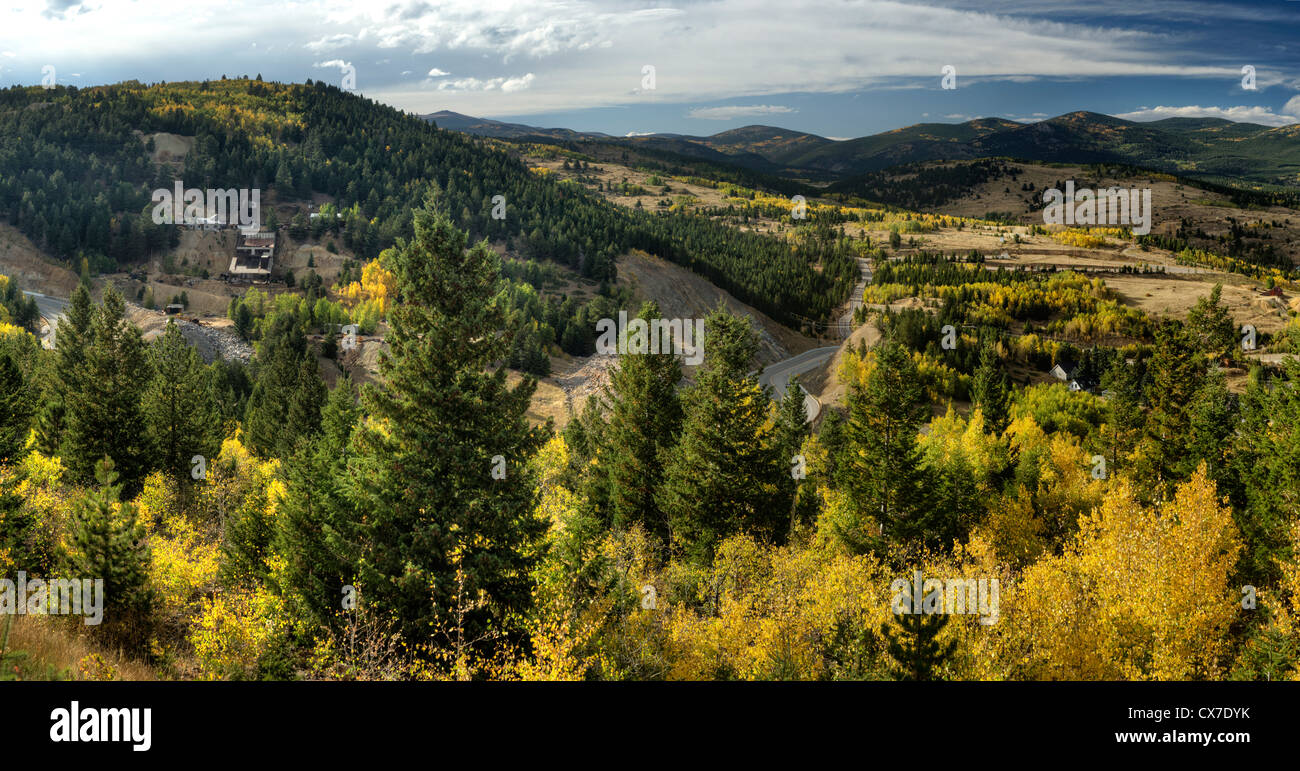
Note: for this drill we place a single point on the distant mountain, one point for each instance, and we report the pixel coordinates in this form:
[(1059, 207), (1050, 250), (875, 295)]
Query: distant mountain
[(486, 127), (922, 142), (1210, 148)]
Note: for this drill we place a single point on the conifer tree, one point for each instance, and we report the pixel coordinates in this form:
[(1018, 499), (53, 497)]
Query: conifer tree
[(15, 410), (103, 404), (306, 399), (70, 339), (440, 478), (182, 419), (1176, 372), (724, 475), (316, 530), (1210, 325), (1266, 460), (883, 471), (644, 418), (287, 394), (1213, 421), (1125, 383), (913, 644), (990, 391), (108, 542), (791, 430)]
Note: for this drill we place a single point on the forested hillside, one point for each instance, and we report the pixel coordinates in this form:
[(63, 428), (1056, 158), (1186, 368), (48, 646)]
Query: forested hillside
[(257, 524), (76, 177)]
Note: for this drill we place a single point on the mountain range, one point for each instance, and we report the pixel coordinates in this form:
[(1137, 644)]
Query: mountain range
[(1208, 148)]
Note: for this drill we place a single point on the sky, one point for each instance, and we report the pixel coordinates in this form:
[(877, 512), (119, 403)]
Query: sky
[(837, 68)]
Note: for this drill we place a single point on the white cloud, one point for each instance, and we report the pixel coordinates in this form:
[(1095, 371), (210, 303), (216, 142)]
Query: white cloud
[(506, 85), (640, 133), (330, 43), (731, 112), (587, 53), (437, 73), (1240, 114)]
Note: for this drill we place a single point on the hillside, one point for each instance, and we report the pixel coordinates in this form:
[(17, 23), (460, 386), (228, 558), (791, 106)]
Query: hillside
[(1210, 149)]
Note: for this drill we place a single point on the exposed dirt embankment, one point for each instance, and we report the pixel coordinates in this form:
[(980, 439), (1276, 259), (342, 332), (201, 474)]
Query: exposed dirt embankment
[(686, 295), (34, 272)]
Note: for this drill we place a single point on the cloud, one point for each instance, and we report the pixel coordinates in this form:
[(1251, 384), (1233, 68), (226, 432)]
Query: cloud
[(505, 85), (330, 43), (58, 9), (583, 54), (731, 112), (437, 73), (1240, 114), (641, 133)]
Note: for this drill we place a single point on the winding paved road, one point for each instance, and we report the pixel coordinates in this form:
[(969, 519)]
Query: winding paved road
[(778, 375), (51, 310)]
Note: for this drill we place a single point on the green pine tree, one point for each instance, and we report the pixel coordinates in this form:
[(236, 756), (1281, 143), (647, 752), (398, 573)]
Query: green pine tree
[(913, 644), (644, 418), (882, 470), (1211, 327), (316, 530), (15, 410), (440, 478), (990, 391), (70, 339), (1176, 372), (791, 431), (108, 543), (182, 419), (287, 394), (724, 475), (103, 404)]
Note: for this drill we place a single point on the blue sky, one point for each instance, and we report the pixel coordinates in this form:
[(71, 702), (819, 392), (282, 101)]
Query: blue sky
[(839, 68)]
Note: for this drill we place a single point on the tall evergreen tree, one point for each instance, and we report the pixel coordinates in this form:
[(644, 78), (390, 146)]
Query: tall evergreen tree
[(1266, 460), (287, 393), (316, 530), (1210, 325), (791, 430), (108, 543), (990, 391), (644, 418), (1125, 383), (182, 419), (883, 470), (441, 479), (104, 416), (15, 409), (724, 475), (1176, 372), (1213, 422), (70, 339)]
